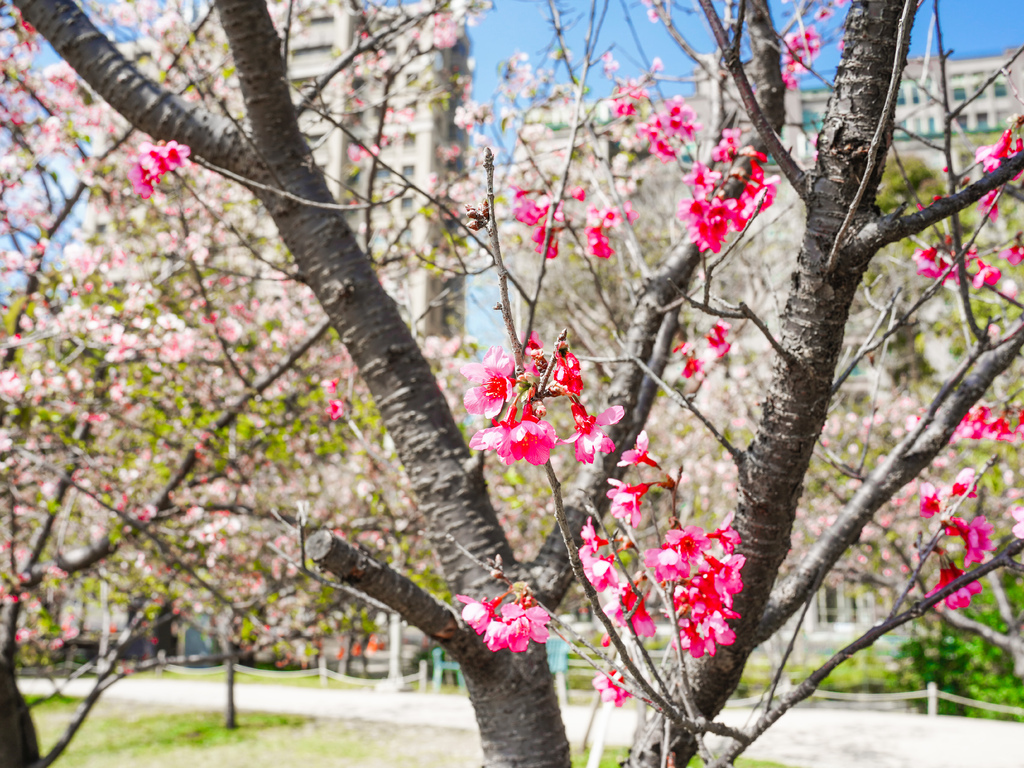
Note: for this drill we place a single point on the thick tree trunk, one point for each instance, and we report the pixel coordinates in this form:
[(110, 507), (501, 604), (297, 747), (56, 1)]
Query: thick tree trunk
[(18, 744), (515, 704), (772, 469)]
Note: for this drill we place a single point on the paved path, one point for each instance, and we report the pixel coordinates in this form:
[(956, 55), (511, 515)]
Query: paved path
[(803, 738)]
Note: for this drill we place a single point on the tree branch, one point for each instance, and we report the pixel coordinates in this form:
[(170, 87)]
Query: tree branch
[(354, 565), (890, 229), (902, 465)]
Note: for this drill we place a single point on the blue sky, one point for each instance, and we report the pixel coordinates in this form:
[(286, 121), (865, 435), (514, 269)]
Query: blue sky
[(970, 28)]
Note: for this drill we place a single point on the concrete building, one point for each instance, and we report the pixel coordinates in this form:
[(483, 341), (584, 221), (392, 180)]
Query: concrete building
[(920, 109), (421, 145)]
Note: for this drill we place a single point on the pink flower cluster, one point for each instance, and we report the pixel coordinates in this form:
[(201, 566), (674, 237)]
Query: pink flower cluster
[(154, 161), (976, 535), (981, 423), (948, 572), (534, 214), (599, 221), (933, 263), (446, 33), (676, 121), (525, 434), (709, 215), (802, 48), (992, 155), (625, 97), (512, 627), (702, 584), (623, 598), (608, 686)]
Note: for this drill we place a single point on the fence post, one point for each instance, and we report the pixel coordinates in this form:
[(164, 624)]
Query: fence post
[(322, 664), (933, 700), (423, 675)]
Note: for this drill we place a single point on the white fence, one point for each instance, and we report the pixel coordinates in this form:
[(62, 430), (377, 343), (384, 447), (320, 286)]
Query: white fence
[(931, 693), (322, 671)]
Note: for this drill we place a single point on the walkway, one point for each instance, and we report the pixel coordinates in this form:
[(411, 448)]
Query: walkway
[(803, 738)]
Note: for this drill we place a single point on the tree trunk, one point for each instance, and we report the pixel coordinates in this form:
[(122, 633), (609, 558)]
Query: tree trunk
[(18, 744), (516, 706)]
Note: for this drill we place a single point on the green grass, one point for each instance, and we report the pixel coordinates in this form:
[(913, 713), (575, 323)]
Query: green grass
[(117, 735), (120, 735)]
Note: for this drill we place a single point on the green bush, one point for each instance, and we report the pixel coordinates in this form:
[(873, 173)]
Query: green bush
[(962, 663)]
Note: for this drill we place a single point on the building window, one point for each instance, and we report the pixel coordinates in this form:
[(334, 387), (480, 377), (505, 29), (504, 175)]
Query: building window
[(959, 94), (1000, 90), (961, 122), (915, 95), (901, 98), (931, 126), (312, 51), (408, 171), (982, 121), (322, 21), (382, 174), (407, 204), (409, 141)]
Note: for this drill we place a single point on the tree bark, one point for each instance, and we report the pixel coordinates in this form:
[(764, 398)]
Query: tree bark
[(773, 467), (18, 744)]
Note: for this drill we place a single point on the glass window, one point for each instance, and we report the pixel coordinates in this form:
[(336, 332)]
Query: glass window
[(409, 140), (915, 95), (408, 170), (382, 174), (901, 98), (959, 94), (982, 121), (406, 203), (931, 125), (1000, 90)]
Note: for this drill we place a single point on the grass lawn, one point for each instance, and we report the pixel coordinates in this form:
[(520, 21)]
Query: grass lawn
[(121, 735), (118, 735)]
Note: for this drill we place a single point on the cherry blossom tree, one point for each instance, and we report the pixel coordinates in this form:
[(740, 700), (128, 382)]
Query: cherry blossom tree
[(684, 507)]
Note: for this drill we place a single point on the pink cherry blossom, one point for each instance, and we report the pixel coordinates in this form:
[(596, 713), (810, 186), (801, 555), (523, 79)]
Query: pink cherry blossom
[(716, 338), (154, 161), (976, 536), (964, 483), (987, 275), (961, 598), (532, 439), (588, 437), (497, 438), (1014, 254), (600, 571), (930, 502), (495, 375), (607, 686), (335, 409), (638, 454), (626, 500), (522, 625), (1018, 515), (591, 541)]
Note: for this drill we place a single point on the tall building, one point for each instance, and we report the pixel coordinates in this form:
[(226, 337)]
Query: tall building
[(920, 107), (415, 111)]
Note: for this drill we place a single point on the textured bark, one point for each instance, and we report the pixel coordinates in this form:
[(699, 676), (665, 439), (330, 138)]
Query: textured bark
[(18, 745), (515, 704), (812, 327), (901, 466)]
